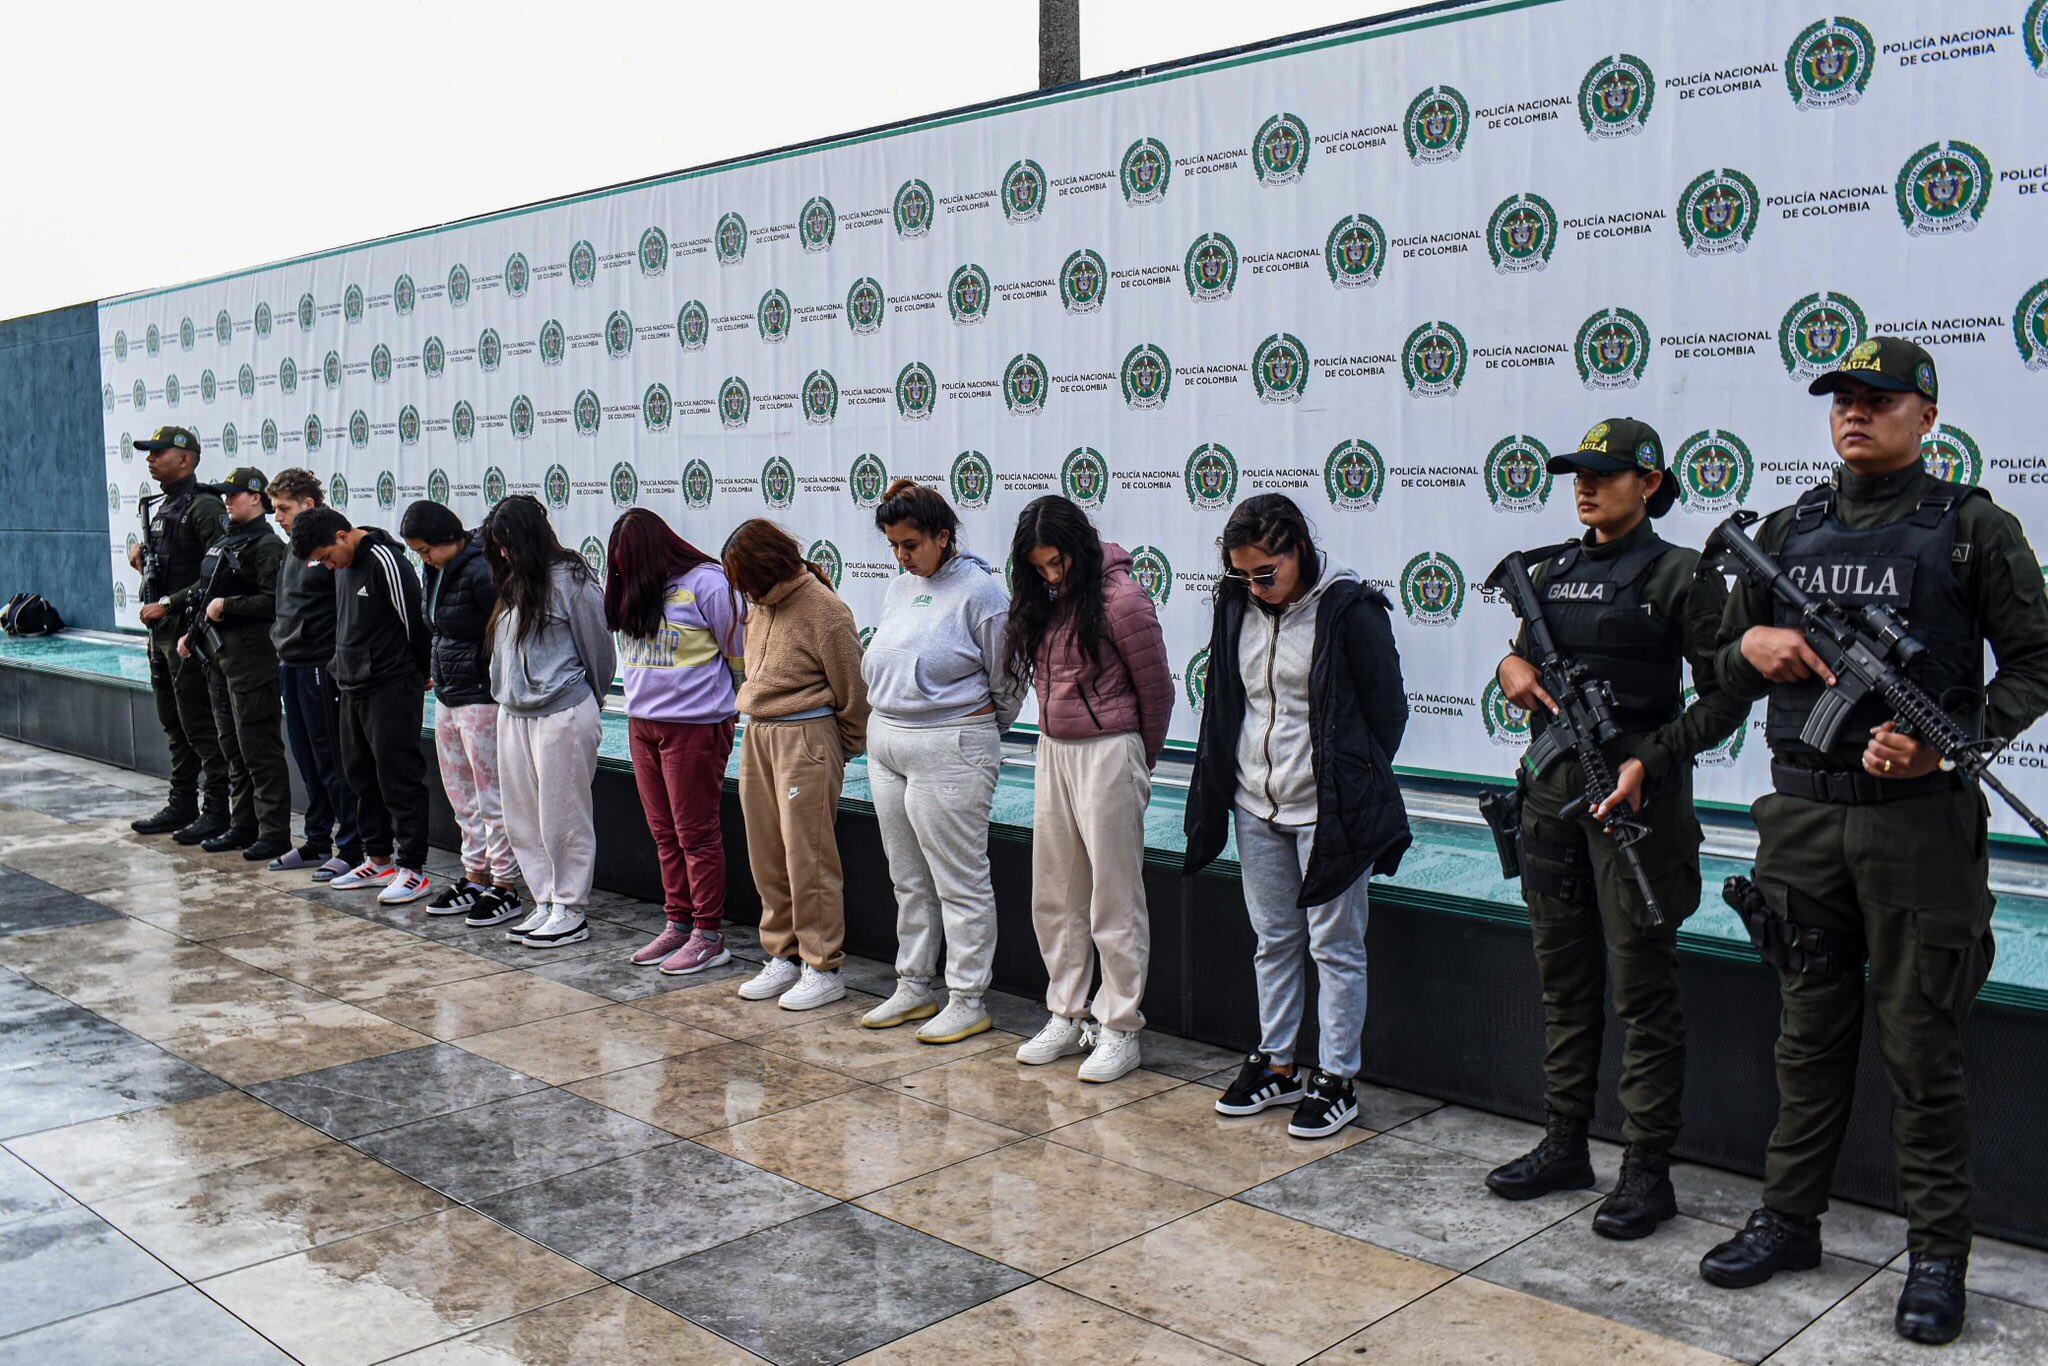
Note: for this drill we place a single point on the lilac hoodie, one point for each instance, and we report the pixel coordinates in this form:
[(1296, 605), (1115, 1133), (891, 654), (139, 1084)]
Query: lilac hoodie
[(685, 671)]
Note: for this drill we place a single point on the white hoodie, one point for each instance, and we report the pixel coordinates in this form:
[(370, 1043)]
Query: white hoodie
[(1276, 775)]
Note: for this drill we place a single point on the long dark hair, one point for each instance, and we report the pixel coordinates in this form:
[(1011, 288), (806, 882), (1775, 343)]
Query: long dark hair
[(759, 555), (906, 500), (642, 559), (1273, 521), (520, 544), (429, 523), (1055, 523)]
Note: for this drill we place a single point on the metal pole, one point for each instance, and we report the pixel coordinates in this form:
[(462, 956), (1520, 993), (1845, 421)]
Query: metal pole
[(1059, 42)]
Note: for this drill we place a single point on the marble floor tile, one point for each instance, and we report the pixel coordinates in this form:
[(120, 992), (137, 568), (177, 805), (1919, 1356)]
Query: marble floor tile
[(1859, 1329), (724, 1012), (650, 1208), (70, 1262), (481, 1004), (24, 1194), (209, 923), (875, 1054), (235, 1218), (108, 1157), (89, 864), (398, 1088), (414, 965), (1471, 1323), (572, 1047), (996, 1087), (1497, 1139), (1426, 1202), (213, 901), (1220, 1274), (859, 1141), (42, 951), (1037, 1206), (324, 1036), (56, 911), (616, 979), (826, 1262), (1177, 1134), (713, 1088), (489, 942), (1040, 1323), (157, 1003), (110, 1079), (1655, 1284), (2006, 1270), (170, 1326), (491, 1148), (1858, 1232), (1183, 1058), (603, 1325), (407, 1286), (38, 1027)]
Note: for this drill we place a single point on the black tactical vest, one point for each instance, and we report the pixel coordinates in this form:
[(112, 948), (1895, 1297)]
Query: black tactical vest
[(224, 573), (1910, 567), (170, 543), (1600, 616)]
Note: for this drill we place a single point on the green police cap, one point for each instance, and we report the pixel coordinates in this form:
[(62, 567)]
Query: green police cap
[(243, 479), (1892, 363), (1620, 443), (168, 439)]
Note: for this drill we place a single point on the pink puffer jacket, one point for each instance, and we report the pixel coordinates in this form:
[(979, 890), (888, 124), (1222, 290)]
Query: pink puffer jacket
[(1128, 687)]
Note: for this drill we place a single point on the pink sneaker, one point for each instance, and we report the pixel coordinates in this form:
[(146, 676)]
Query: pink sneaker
[(671, 938), (704, 950)]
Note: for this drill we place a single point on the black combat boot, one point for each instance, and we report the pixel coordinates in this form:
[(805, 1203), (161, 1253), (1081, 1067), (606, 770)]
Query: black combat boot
[(1931, 1306), (211, 820), (1559, 1163), (234, 837), (1642, 1198), (1771, 1242), (177, 813), (264, 850)]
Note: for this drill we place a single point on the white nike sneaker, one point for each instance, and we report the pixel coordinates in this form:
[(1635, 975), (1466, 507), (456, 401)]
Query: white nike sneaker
[(962, 1018), (541, 911), (1061, 1038), (910, 1001), (409, 885), (814, 988), (776, 976), (1116, 1053)]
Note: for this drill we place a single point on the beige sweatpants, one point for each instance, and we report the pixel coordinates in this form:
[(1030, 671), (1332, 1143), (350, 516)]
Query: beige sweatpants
[(545, 767), (1088, 875), (790, 775)]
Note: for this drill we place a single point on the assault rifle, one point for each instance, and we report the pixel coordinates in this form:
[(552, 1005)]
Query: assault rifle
[(1868, 649), (1583, 724), (149, 589)]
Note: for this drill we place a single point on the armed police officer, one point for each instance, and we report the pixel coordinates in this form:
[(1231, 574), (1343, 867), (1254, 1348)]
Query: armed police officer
[(227, 612), (1872, 850), (177, 527), (1631, 609)]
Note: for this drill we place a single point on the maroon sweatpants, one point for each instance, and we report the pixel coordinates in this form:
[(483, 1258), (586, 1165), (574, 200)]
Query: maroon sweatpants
[(680, 769)]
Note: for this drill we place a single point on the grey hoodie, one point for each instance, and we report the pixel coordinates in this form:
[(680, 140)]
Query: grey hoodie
[(937, 654), (1276, 775), (569, 656)]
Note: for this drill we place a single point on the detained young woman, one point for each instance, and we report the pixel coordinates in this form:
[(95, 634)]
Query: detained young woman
[(1303, 715)]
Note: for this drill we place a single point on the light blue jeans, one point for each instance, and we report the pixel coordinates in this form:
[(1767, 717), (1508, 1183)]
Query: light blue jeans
[(1273, 859)]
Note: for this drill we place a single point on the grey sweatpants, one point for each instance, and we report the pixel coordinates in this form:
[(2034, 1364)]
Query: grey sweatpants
[(1273, 859), (932, 788), (545, 768)]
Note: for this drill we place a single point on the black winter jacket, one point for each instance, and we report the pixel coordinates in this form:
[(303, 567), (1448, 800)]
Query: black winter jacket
[(1357, 713), (459, 600)]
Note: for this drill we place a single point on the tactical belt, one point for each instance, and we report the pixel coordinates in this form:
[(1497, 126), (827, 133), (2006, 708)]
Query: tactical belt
[(1852, 787), (1802, 949)]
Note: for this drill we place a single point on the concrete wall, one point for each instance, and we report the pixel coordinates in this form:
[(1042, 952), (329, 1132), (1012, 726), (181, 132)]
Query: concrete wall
[(53, 487)]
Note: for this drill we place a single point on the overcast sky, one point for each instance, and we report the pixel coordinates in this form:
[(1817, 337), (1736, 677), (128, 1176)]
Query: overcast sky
[(154, 143)]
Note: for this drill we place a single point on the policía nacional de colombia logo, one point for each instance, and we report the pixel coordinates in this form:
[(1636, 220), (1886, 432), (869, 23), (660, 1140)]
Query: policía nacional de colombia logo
[(913, 209), (308, 313), (314, 432), (245, 378), (1144, 171), (2030, 323), (693, 325), (1521, 234), (772, 317), (554, 487), (698, 485), (2034, 32), (1210, 477), (152, 341), (657, 408), (729, 239), (1506, 723), (1432, 589), (458, 285), (1714, 470), (141, 394), (519, 417), (462, 421), (120, 345), (866, 480), (1943, 188), (1355, 252), (409, 426), (1433, 359), (1612, 349), (404, 294), (1210, 268), (490, 350), (209, 389), (267, 436), (1729, 750), (1280, 150), (817, 223), (1084, 477), (778, 482), (820, 397), (1717, 213), (1147, 377), (518, 275), (1354, 475), (262, 321), (188, 334), (437, 486), (652, 253), (1025, 383), (1084, 282), (1153, 572), (287, 376), (735, 402), (972, 480), (1818, 331), (618, 334), (1023, 191), (434, 357), (865, 306), (380, 363), (968, 295), (1830, 63), (582, 265), (172, 390), (554, 342), (592, 551), (1280, 368), (1518, 477), (917, 392), (387, 490), (826, 556), (337, 489), (1951, 453), (1615, 96), (358, 430), (1195, 678), (1436, 126), (494, 486)]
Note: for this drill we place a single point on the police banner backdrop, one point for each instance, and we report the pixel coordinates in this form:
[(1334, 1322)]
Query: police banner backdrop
[(1385, 271)]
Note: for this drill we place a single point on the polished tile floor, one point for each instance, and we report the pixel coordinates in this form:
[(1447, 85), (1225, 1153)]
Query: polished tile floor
[(244, 1119)]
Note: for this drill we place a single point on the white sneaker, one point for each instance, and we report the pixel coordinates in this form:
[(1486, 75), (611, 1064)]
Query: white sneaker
[(541, 911), (364, 874), (910, 1001), (776, 976), (814, 988), (962, 1018), (564, 925), (1115, 1054), (409, 885), (1061, 1038)]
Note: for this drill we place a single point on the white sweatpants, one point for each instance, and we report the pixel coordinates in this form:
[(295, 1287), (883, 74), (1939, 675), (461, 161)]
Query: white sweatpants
[(546, 765)]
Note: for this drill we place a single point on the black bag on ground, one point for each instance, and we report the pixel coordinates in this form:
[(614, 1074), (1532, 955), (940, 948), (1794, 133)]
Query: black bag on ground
[(30, 614)]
